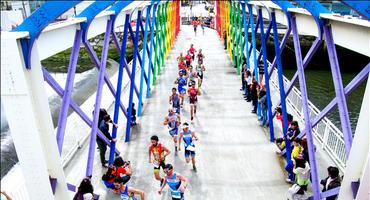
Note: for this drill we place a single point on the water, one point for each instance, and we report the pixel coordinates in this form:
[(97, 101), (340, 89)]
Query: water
[(320, 88), (84, 86)]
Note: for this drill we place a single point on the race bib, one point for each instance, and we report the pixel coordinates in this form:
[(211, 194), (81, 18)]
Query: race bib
[(190, 148), (176, 194), (155, 163)]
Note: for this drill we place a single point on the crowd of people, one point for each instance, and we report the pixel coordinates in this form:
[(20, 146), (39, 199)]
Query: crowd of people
[(116, 179), (187, 89), (298, 165)]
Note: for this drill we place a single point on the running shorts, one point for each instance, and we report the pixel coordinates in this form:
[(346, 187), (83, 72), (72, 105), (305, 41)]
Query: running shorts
[(161, 164), (192, 100), (174, 132), (188, 153), (200, 76)]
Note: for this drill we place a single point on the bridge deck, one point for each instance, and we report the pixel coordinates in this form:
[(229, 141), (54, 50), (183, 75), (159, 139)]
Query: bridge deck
[(235, 159)]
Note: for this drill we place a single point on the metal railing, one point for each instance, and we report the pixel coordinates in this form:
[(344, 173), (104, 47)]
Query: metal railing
[(325, 132)]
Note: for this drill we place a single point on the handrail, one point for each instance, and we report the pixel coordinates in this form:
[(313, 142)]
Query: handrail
[(329, 136), (325, 132)]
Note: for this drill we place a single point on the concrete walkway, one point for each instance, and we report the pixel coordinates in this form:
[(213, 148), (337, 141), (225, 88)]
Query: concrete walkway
[(235, 158)]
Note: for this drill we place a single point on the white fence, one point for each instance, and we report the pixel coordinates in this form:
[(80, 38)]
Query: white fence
[(325, 132)]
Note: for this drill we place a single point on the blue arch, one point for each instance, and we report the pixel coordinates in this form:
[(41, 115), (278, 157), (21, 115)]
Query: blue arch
[(35, 23), (90, 12)]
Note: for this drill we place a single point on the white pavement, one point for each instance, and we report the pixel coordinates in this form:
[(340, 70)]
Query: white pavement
[(235, 159)]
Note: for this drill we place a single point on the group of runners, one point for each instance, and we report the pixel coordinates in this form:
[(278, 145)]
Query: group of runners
[(189, 81)]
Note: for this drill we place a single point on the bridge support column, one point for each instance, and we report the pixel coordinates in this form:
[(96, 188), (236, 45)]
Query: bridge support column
[(357, 168), (133, 72), (306, 111), (122, 65), (267, 78), (339, 90), (27, 109), (151, 63), (147, 22), (104, 54)]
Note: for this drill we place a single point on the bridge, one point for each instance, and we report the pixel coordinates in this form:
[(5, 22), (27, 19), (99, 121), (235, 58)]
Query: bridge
[(235, 156)]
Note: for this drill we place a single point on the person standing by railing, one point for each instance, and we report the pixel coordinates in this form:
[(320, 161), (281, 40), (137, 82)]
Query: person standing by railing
[(104, 128)]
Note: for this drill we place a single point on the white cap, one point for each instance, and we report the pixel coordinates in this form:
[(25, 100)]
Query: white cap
[(184, 126), (88, 196)]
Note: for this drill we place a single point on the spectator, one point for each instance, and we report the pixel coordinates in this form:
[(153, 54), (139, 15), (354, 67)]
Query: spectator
[(296, 154), (263, 102), (120, 168), (279, 116), (243, 72), (225, 39), (332, 181), (292, 133), (302, 173), (85, 190), (254, 95), (133, 115), (305, 154), (248, 82), (102, 146)]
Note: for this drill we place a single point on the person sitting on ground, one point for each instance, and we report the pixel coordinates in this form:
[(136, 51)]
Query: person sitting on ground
[(279, 116), (85, 191), (292, 132), (302, 173), (122, 168), (332, 181), (296, 154), (126, 192), (305, 155)]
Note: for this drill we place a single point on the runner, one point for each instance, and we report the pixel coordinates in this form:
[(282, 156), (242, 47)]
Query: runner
[(192, 76), (126, 192), (188, 136), (202, 24), (175, 181), (181, 83), (200, 69), (174, 99), (189, 58), (192, 51), (180, 58), (173, 122), (200, 56), (193, 93), (159, 152), (195, 25)]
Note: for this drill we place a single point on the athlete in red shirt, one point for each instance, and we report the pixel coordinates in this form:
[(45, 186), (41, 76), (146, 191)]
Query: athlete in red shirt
[(193, 93)]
